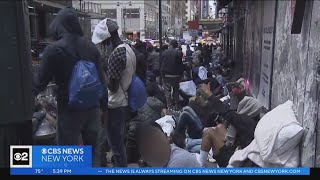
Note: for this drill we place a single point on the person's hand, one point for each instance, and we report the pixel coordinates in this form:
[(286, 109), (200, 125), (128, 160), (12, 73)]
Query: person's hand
[(104, 119), (165, 112)]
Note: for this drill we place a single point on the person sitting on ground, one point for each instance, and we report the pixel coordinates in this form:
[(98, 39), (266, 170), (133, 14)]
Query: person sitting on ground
[(239, 134), (237, 91), (156, 150), (219, 77), (193, 119)]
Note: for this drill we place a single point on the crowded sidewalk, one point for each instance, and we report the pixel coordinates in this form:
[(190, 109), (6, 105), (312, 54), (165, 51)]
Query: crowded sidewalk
[(146, 107)]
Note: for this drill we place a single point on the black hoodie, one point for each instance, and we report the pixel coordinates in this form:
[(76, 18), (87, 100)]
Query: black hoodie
[(60, 56)]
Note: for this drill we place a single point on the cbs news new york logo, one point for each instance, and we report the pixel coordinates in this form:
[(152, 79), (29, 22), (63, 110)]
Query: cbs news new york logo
[(20, 156)]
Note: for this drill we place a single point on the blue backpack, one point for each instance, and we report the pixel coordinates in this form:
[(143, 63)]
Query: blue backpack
[(137, 94), (85, 87)]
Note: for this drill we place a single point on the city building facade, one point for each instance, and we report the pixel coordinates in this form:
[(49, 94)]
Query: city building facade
[(205, 9), (178, 18), (137, 19), (190, 10), (166, 18)]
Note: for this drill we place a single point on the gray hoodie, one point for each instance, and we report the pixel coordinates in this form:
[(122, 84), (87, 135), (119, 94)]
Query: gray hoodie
[(249, 106)]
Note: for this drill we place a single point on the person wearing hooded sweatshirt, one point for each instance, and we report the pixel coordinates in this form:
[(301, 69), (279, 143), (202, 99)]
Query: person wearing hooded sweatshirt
[(59, 59), (120, 68)]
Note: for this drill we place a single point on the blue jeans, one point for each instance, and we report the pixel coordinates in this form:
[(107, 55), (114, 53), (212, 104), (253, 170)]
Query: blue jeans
[(190, 122), (72, 126), (116, 134), (194, 145)]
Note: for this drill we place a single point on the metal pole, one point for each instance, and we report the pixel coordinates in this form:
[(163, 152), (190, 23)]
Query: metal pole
[(124, 21), (160, 37), (160, 27), (145, 24)]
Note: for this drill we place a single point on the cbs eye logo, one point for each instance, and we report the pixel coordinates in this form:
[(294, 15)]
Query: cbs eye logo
[(20, 156)]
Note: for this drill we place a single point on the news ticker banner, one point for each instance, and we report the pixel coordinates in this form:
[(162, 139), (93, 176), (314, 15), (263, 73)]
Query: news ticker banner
[(159, 171), (77, 160)]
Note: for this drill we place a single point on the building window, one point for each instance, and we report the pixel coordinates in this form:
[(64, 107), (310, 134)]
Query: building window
[(109, 13), (132, 13)]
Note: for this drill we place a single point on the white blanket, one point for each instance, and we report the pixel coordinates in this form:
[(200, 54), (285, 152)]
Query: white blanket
[(261, 149)]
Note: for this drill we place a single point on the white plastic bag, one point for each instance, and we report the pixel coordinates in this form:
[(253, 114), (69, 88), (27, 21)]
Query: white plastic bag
[(188, 87), (203, 73), (167, 124)]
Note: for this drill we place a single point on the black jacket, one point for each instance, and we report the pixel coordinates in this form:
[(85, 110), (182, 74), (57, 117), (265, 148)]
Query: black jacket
[(171, 62), (141, 65), (60, 56)]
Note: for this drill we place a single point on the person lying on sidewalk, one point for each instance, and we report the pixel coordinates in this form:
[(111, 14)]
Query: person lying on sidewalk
[(240, 133), (156, 150)]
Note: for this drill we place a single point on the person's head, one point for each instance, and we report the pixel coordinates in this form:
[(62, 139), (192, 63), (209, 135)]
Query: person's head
[(106, 33), (138, 44), (188, 47), (148, 44), (150, 49), (66, 22), (218, 70), (153, 144), (174, 44), (211, 83), (165, 47)]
